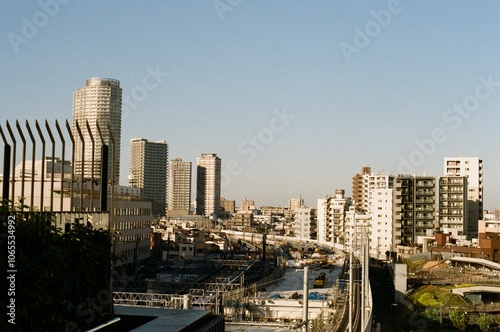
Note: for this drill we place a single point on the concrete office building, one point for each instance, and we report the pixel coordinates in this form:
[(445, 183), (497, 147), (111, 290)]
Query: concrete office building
[(148, 171), (99, 101), (208, 184), (472, 168)]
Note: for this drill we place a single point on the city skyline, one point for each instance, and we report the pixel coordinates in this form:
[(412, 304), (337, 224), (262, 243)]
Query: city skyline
[(294, 98)]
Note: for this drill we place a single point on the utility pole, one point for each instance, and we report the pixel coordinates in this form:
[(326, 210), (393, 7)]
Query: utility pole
[(305, 299), (364, 276), (351, 288)]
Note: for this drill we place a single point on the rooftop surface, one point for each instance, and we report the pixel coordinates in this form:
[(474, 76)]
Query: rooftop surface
[(172, 320)]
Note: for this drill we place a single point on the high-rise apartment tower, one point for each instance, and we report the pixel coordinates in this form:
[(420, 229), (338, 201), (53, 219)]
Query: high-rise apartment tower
[(453, 205), (148, 171), (414, 204), (357, 187), (472, 168), (99, 101), (179, 187), (208, 183)]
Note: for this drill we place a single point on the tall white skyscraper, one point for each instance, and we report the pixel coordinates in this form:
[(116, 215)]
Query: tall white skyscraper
[(472, 168), (208, 183), (179, 186), (148, 171), (99, 101)]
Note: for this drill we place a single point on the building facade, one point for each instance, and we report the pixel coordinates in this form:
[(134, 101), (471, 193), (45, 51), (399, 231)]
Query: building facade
[(331, 213), (472, 168), (489, 239), (371, 182), (304, 223), (453, 205), (179, 187), (247, 204), (380, 225), (100, 101), (357, 228), (414, 204), (357, 187), (227, 205), (127, 214), (295, 203), (148, 171), (208, 184)]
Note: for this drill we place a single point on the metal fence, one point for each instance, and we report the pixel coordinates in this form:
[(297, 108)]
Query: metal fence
[(44, 188)]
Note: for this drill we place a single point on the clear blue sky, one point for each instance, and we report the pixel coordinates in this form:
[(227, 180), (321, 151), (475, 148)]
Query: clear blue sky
[(358, 82)]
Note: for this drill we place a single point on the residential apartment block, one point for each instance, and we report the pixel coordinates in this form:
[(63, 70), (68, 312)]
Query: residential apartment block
[(179, 187), (371, 182), (357, 229), (304, 223), (357, 187), (380, 213), (148, 171), (208, 184), (295, 203), (227, 205), (472, 168), (100, 101), (414, 204), (453, 206), (247, 205), (331, 212)]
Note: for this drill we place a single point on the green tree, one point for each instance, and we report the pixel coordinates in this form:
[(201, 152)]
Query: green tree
[(432, 314), (484, 321), (428, 300), (62, 278), (459, 319)]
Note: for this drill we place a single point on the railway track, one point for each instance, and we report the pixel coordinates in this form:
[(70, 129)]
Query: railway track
[(356, 300)]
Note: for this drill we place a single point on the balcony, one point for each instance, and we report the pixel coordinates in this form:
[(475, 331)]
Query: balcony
[(451, 191), (425, 184), (425, 200), (424, 192), (428, 209)]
